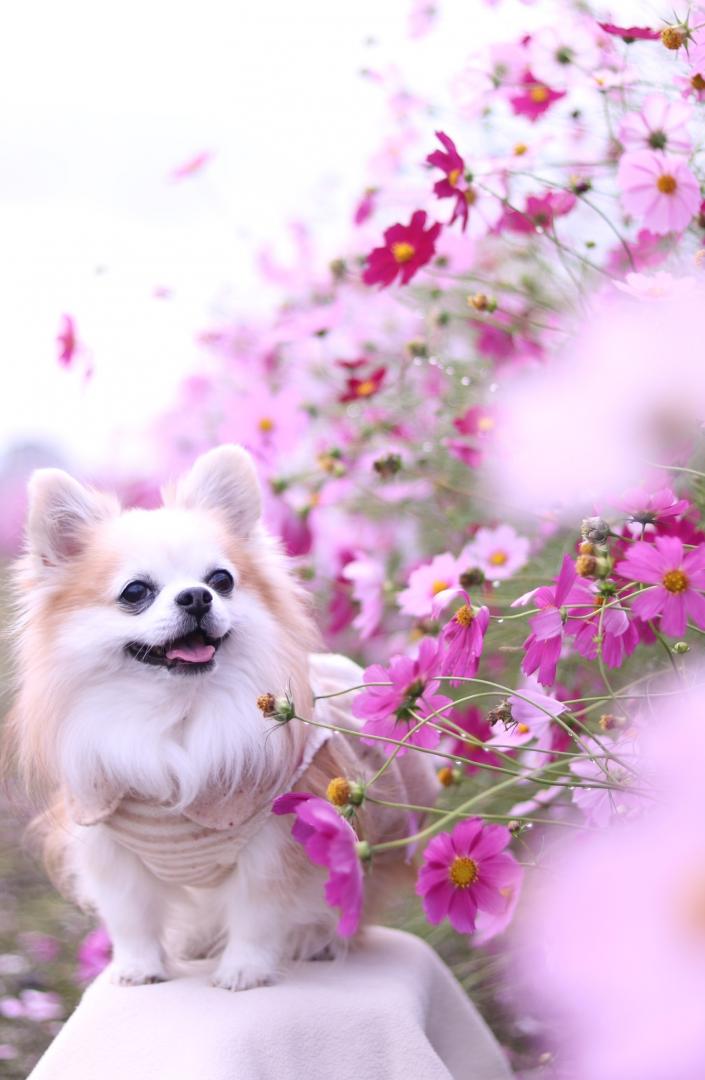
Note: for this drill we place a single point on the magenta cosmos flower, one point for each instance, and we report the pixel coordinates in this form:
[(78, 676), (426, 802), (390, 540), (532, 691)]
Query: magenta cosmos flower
[(630, 33), (406, 249), (467, 871), (408, 693), (462, 638), (534, 98), (543, 645), (678, 578), (659, 189), (647, 507), (328, 841), (453, 185), (588, 621)]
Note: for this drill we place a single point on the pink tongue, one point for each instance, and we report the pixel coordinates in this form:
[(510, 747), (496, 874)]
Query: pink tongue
[(192, 654)]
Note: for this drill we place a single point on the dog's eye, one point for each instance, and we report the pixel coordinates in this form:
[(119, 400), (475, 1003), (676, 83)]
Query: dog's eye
[(136, 592), (221, 581)]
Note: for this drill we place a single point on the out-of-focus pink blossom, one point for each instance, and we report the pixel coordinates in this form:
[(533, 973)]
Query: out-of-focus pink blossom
[(543, 646), (630, 33), (660, 286), (426, 582), (660, 124), (193, 166), (659, 189), (67, 341), (616, 792), (94, 954), (535, 97), (366, 206), (499, 552), (367, 576)]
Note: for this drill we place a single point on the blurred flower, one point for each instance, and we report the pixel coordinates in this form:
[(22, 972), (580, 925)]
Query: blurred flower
[(426, 582), (367, 576), (675, 575), (660, 124), (499, 552), (471, 720), (535, 97), (366, 206), (35, 1005), (192, 167), (658, 189), (328, 841), (67, 341), (94, 954), (647, 507), (660, 286), (466, 871), (364, 388), (454, 185), (630, 33), (614, 795), (42, 948), (406, 249)]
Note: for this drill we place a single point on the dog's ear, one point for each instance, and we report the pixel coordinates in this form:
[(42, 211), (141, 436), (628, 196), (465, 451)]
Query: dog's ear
[(61, 514), (224, 480)]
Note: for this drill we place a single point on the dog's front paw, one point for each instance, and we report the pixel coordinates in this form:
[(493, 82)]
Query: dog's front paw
[(136, 973), (244, 971)]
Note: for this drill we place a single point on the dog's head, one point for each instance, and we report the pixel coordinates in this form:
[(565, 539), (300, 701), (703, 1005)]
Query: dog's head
[(144, 617), (161, 589)]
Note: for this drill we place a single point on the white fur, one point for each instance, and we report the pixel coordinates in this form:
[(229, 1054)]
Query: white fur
[(165, 735)]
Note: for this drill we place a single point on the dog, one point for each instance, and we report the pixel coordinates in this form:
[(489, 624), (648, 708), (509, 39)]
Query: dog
[(144, 640)]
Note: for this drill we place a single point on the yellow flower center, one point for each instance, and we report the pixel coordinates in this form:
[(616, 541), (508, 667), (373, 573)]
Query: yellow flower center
[(439, 586), (338, 791), (485, 423), (675, 581), (470, 196), (666, 184), (463, 871), (698, 82), (523, 729), (520, 149), (464, 615), (498, 558), (538, 93), (445, 776), (266, 424), (403, 252), (366, 388), (453, 177)]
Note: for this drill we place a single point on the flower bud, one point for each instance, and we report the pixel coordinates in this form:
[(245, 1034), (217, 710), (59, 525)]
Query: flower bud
[(586, 565), (387, 466), (471, 577), (594, 529), (448, 776), (276, 708), (338, 791), (672, 37), (417, 348), (363, 850), (338, 269), (482, 302), (681, 647)]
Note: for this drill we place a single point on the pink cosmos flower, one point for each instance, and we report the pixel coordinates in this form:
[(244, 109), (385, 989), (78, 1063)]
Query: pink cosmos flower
[(562, 52), (362, 389), (466, 871), (659, 189), (600, 804), (366, 206), (473, 721), (660, 124), (630, 34), (499, 552), (659, 286), (477, 423), (94, 954), (462, 638), (406, 249), (367, 576), (587, 621), (408, 693), (647, 507), (540, 211), (35, 1005), (678, 578), (453, 185), (533, 719), (534, 98), (329, 841), (543, 645), (426, 582), (67, 341)]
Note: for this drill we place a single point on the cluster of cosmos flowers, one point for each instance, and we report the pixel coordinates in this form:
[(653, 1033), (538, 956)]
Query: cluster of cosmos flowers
[(478, 424)]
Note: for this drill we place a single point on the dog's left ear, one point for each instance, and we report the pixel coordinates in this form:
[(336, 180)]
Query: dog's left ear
[(224, 480)]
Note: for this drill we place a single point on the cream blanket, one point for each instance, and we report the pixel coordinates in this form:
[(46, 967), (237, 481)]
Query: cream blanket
[(389, 1011)]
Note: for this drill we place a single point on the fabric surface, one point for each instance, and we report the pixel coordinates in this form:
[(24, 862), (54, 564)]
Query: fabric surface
[(388, 1011)]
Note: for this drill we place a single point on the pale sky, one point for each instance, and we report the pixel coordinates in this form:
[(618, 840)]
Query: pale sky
[(102, 102)]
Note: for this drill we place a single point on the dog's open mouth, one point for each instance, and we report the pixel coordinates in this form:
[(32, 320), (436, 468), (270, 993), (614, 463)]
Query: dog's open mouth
[(192, 652)]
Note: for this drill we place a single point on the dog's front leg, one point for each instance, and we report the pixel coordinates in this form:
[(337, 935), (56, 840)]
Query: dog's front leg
[(257, 901), (130, 901)]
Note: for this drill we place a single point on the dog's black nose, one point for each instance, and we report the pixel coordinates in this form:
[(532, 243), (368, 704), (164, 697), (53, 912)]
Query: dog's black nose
[(195, 601)]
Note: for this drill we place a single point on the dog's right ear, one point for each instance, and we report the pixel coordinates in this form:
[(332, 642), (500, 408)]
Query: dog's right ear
[(61, 514)]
